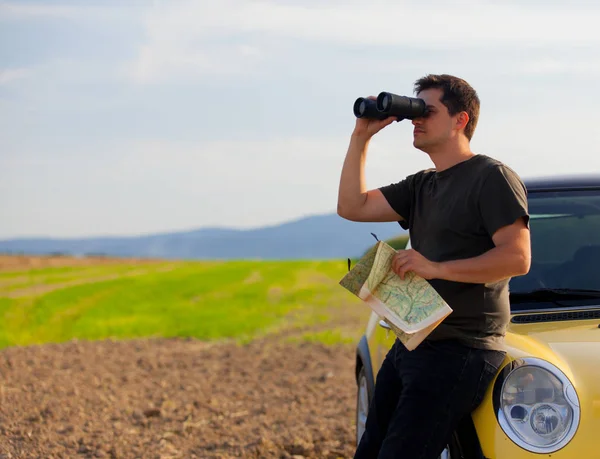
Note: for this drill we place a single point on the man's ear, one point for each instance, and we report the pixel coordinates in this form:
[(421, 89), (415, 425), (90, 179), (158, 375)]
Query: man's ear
[(462, 120)]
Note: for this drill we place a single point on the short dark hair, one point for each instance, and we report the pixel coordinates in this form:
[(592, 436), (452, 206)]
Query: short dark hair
[(458, 96)]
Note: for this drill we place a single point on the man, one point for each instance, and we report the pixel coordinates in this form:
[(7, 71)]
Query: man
[(469, 227)]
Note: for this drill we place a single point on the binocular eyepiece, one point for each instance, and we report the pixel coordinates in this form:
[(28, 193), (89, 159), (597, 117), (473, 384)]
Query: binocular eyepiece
[(388, 104)]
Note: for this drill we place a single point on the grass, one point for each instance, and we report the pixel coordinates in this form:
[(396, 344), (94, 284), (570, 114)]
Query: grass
[(239, 300)]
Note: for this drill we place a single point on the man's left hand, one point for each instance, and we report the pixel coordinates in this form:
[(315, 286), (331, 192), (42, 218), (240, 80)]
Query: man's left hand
[(411, 260)]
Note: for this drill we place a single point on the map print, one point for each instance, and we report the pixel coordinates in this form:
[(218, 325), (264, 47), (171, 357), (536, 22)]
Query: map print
[(411, 307), (356, 278)]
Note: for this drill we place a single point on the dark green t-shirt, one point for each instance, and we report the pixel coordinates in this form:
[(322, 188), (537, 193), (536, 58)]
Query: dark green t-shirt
[(452, 215)]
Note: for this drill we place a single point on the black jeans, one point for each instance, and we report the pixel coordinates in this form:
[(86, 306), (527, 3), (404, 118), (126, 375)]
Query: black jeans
[(421, 395)]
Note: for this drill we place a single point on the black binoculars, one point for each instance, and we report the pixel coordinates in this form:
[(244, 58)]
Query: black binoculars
[(388, 104)]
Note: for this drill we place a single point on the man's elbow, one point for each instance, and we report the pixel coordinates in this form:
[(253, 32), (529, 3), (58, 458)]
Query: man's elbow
[(345, 213), (353, 209), (523, 264), (348, 212)]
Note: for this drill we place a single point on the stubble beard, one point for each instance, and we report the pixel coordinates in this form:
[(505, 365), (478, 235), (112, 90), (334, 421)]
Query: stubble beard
[(421, 144), (428, 145)]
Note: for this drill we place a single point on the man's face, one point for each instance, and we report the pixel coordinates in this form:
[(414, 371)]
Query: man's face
[(436, 128)]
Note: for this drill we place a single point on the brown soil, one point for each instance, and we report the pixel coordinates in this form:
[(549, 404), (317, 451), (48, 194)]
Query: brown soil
[(177, 398)]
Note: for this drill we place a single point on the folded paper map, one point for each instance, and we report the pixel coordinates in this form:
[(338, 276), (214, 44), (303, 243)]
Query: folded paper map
[(410, 306)]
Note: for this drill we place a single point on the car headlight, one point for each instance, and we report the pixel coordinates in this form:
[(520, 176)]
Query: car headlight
[(536, 405)]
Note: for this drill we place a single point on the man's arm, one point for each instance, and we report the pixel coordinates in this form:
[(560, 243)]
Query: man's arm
[(355, 202), (510, 257)]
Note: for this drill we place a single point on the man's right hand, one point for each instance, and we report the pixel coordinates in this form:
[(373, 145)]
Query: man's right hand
[(355, 201), (366, 128)]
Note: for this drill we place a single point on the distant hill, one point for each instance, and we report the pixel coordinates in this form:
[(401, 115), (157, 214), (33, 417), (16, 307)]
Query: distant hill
[(315, 237)]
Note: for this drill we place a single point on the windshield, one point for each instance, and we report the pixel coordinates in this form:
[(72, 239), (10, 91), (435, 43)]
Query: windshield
[(565, 245)]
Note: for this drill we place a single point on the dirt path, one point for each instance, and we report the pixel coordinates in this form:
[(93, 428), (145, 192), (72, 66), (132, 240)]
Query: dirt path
[(177, 399)]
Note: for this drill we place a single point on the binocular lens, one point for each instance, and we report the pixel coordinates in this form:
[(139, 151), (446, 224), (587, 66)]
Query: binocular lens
[(362, 107), (385, 102), (366, 108)]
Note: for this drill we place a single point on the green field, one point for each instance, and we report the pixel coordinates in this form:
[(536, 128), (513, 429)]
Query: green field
[(241, 300)]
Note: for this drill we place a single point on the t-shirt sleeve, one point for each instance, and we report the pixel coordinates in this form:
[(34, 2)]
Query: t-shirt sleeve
[(400, 197), (503, 199)]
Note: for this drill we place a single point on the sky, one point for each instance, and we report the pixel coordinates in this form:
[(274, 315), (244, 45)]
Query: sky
[(136, 117)]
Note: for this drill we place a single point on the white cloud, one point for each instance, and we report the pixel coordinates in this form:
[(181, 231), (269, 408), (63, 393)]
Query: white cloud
[(14, 10), (197, 38), (555, 66), (385, 23), (10, 75), (160, 62), (75, 120), (24, 10)]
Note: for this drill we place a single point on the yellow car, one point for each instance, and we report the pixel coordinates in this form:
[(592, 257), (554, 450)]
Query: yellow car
[(545, 399)]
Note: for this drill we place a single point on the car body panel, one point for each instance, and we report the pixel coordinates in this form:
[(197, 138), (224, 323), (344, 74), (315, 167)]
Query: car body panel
[(573, 347), (572, 344)]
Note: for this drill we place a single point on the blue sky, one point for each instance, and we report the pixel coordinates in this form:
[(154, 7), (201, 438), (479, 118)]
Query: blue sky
[(123, 118)]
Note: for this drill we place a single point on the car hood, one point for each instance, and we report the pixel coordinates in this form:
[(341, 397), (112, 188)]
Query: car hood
[(572, 346)]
